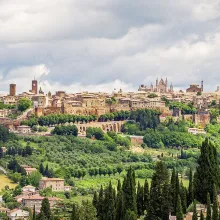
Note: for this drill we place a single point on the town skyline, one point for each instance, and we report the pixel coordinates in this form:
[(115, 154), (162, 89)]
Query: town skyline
[(84, 53)]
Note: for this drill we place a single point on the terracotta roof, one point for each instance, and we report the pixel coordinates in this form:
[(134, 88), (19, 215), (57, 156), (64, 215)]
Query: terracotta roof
[(38, 197), (51, 179)]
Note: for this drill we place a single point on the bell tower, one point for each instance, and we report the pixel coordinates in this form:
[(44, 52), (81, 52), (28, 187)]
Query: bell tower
[(34, 86)]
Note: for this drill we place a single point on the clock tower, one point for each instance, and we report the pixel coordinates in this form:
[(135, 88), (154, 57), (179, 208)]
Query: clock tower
[(34, 86)]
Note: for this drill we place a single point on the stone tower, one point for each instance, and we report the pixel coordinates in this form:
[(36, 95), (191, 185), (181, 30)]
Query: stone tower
[(202, 86), (34, 86), (12, 90), (171, 87)]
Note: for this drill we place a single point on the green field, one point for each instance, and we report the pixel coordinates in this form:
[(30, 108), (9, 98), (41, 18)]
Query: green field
[(4, 181)]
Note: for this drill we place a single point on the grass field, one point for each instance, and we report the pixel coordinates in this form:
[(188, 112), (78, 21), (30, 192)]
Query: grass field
[(4, 181)]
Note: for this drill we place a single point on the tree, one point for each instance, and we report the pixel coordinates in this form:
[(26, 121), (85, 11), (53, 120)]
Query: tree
[(95, 200), (207, 173), (173, 193), (183, 196), (215, 205), (201, 215), (190, 196), (119, 203), (34, 214), (109, 203), (209, 211), (87, 211), (100, 205), (194, 212), (159, 202), (45, 209), (153, 139), (24, 104), (179, 211), (130, 215), (146, 195), (34, 178), (129, 191), (75, 212), (41, 169), (140, 200)]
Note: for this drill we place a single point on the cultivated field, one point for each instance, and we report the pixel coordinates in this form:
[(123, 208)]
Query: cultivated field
[(4, 181)]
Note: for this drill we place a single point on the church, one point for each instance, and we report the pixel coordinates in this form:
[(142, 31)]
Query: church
[(161, 87)]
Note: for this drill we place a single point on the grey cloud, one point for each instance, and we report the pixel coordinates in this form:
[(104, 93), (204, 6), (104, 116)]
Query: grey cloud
[(91, 43)]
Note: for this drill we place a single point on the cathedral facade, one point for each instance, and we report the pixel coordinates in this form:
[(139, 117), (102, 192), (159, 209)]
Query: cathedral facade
[(160, 86)]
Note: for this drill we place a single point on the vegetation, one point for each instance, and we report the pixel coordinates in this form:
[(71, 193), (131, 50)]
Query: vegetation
[(6, 106), (66, 130), (185, 108), (152, 95), (24, 104)]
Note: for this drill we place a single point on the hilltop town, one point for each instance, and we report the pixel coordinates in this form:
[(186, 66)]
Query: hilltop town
[(87, 103), (58, 149)]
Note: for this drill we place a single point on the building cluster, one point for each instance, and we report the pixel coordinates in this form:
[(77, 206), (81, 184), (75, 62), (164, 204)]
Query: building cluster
[(97, 103), (30, 198), (200, 208)]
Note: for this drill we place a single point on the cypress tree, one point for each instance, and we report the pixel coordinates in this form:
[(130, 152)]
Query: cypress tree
[(41, 169), (201, 215), (109, 203), (45, 208), (215, 205), (209, 212), (159, 184), (165, 206), (207, 173), (130, 215), (119, 206), (140, 200), (34, 214), (129, 192), (95, 200), (173, 191), (146, 194), (183, 196), (119, 186), (100, 207), (195, 217), (190, 196), (176, 192), (75, 213), (179, 211), (46, 171)]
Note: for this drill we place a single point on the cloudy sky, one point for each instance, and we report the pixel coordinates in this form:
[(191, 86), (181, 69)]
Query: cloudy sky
[(99, 45)]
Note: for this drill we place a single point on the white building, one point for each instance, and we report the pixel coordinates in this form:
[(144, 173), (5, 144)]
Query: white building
[(18, 214)]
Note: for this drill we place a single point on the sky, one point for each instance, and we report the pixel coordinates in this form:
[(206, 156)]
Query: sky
[(102, 45)]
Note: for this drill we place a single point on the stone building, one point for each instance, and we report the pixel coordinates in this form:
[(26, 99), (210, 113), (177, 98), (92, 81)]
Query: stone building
[(36, 201), (18, 214), (23, 129), (4, 113), (56, 184), (34, 86), (194, 88), (160, 87)]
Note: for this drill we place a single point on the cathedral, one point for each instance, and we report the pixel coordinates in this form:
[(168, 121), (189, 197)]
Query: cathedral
[(161, 87)]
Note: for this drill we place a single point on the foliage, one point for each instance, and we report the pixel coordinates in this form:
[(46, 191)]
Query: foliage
[(66, 130), (24, 104), (6, 106), (185, 108), (152, 95), (207, 173)]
